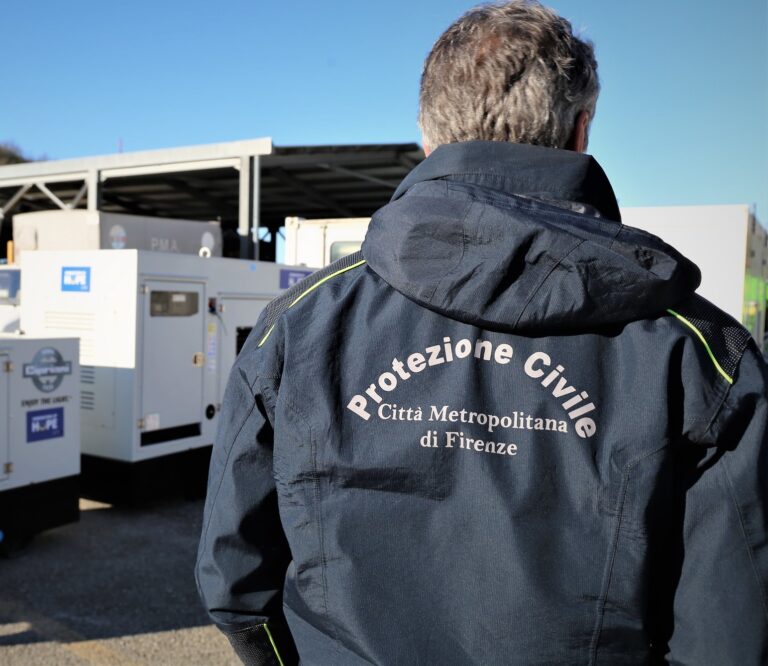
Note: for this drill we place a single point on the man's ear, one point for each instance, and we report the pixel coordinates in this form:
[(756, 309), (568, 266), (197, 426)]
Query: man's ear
[(578, 140), (427, 150)]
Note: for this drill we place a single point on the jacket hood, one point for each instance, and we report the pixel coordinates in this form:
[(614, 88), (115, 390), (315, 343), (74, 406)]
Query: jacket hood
[(521, 238)]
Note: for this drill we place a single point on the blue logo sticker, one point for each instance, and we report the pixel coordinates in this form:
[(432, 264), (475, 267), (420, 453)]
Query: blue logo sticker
[(45, 424), (75, 278), (289, 277), (47, 369)]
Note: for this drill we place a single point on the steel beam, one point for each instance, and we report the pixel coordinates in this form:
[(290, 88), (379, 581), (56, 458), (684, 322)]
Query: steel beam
[(216, 202), (147, 158), (44, 189), (358, 175), (8, 207), (130, 206), (244, 206), (172, 167), (72, 177), (79, 196), (248, 211), (255, 204), (94, 190), (408, 162), (309, 191)]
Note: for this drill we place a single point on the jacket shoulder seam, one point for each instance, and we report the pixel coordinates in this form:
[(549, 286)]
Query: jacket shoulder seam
[(722, 337), (277, 308), (703, 340), (546, 277)]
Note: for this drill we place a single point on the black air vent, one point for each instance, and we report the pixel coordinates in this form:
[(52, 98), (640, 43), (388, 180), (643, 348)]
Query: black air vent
[(170, 434), (242, 335)]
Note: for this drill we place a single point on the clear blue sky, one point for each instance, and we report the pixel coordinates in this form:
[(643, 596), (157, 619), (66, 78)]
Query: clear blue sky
[(682, 119)]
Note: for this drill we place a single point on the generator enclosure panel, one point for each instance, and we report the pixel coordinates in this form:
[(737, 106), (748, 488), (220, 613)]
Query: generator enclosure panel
[(10, 286), (94, 230), (159, 334), (321, 242), (39, 433)]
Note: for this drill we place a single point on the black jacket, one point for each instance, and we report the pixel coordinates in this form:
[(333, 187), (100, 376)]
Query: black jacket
[(508, 432)]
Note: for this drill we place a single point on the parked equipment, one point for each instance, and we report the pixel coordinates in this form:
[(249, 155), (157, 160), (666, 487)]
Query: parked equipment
[(321, 242), (93, 230), (10, 284), (159, 334), (39, 435)]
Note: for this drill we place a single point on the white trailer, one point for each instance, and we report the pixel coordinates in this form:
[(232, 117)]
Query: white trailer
[(39, 435), (94, 230), (10, 285), (726, 242), (321, 242), (159, 334)]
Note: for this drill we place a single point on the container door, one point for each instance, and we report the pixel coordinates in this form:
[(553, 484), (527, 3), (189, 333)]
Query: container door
[(172, 361), (5, 426)]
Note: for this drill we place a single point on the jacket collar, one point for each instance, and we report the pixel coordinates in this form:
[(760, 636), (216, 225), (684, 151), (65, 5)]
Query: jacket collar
[(550, 174)]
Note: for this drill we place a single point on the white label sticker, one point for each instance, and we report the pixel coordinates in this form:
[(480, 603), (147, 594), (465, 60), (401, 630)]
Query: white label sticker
[(152, 422), (212, 350)]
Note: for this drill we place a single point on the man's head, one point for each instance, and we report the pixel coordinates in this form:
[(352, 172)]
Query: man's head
[(509, 72)]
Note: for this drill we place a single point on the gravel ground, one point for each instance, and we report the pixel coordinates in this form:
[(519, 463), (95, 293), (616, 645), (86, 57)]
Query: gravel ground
[(117, 588)]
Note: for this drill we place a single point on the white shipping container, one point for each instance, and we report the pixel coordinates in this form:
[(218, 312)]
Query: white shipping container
[(93, 230)]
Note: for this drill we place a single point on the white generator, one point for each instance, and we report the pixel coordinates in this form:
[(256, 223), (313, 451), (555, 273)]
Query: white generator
[(10, 285), (39, 435), (159, 334), (321, 242), (94, 230)]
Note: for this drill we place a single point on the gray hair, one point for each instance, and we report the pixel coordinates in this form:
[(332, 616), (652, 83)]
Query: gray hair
[(507, 72)]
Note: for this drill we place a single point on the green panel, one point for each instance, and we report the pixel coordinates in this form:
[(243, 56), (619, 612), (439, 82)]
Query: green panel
[(754, 307)]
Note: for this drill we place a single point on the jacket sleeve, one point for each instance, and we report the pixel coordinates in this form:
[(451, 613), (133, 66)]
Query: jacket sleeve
[(243, 553), (720, 613)]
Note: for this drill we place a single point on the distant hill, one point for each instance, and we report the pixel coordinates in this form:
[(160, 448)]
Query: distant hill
[(11, 154)]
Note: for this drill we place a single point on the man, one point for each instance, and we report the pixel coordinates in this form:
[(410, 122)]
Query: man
[(508, 431)]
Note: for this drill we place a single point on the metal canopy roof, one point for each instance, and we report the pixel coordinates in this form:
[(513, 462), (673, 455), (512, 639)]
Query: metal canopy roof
[(244, 184)]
